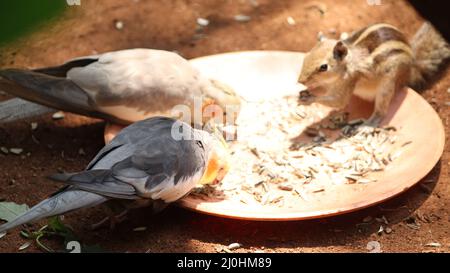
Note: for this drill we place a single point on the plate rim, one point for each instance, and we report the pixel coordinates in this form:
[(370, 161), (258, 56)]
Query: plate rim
[(296, 216)]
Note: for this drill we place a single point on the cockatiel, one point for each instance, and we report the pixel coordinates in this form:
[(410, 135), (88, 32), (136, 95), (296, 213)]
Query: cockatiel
[(121, 87), (152, 162)]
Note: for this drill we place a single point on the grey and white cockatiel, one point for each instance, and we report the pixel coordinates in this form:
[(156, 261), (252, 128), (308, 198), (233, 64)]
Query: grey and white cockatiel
[(121, 87), (148, 163)]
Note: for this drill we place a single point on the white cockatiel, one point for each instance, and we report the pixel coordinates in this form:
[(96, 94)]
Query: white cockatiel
[(121, 87), (146, 164)]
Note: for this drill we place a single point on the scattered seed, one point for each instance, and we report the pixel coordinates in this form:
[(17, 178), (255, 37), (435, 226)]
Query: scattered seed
[(202, 22), (433, 245), (291, 21), (380, 230), (406, 143), (139, 229), (344, 36), (16, 151), (285, 187), (81, 152), (58, 115), (242, 18), (4, 150), (255, 152), (368, 219), (318, 190), (24, 246), (2, 234), (119, 25), (34, 126), (234, 246), (388, 230), (227, 250)]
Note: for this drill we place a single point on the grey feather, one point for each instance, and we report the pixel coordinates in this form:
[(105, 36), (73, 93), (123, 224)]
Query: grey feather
[(17, 109), (62, 202), (54, 92), (142, 161)]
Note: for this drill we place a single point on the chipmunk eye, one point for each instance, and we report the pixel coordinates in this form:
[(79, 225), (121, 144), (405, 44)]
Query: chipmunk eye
[(323, 68)]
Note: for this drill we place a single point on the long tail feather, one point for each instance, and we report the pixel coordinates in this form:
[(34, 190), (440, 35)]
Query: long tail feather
[(55, 92), (62, 202)]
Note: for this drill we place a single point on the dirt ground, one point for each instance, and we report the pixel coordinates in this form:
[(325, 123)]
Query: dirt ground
[(171, 25)]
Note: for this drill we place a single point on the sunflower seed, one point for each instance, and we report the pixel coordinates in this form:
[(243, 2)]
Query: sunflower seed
[(433, 245), (34, 126), (406, 143), (202, 22), (242, 18), (16, 151), (4, 150), (139, 229), (290, 21), (58, 115), (285, 187), (119, 25), (234, 246), (24, 246)]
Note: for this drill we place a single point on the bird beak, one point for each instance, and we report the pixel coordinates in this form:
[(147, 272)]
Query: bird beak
[(217, 166)]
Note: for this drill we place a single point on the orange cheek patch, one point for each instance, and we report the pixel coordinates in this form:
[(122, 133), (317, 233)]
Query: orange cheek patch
[(211, 171)]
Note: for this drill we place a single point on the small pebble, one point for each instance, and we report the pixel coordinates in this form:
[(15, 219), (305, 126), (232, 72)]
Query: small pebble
[(119, 25), (388, 230)]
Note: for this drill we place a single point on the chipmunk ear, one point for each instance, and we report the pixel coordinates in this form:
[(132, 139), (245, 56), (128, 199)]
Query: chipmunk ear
[(340, 51)]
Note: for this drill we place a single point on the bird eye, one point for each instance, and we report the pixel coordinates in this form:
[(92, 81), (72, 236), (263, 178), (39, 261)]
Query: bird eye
[(323, 68), (200, 144)]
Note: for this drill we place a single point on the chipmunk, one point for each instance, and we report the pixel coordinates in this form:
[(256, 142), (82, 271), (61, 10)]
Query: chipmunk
[(372, 63)]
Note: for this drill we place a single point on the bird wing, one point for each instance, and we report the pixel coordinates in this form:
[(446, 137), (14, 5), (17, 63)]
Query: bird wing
[(146, 163), (144, 80), (121, 86)]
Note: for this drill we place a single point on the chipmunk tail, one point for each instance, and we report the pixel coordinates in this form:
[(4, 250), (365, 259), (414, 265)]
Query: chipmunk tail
[(431, 52)]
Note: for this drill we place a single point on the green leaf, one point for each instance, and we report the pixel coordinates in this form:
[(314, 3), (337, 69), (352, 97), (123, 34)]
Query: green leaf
[(10, 210)]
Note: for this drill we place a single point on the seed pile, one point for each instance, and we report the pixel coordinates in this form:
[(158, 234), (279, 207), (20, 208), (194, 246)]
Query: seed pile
[(291, 150)]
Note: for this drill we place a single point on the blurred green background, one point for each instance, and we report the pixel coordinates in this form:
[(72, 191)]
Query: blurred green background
[(21, 17)]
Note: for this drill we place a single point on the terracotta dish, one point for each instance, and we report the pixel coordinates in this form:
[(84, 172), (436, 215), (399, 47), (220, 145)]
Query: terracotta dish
[(263, 74)]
